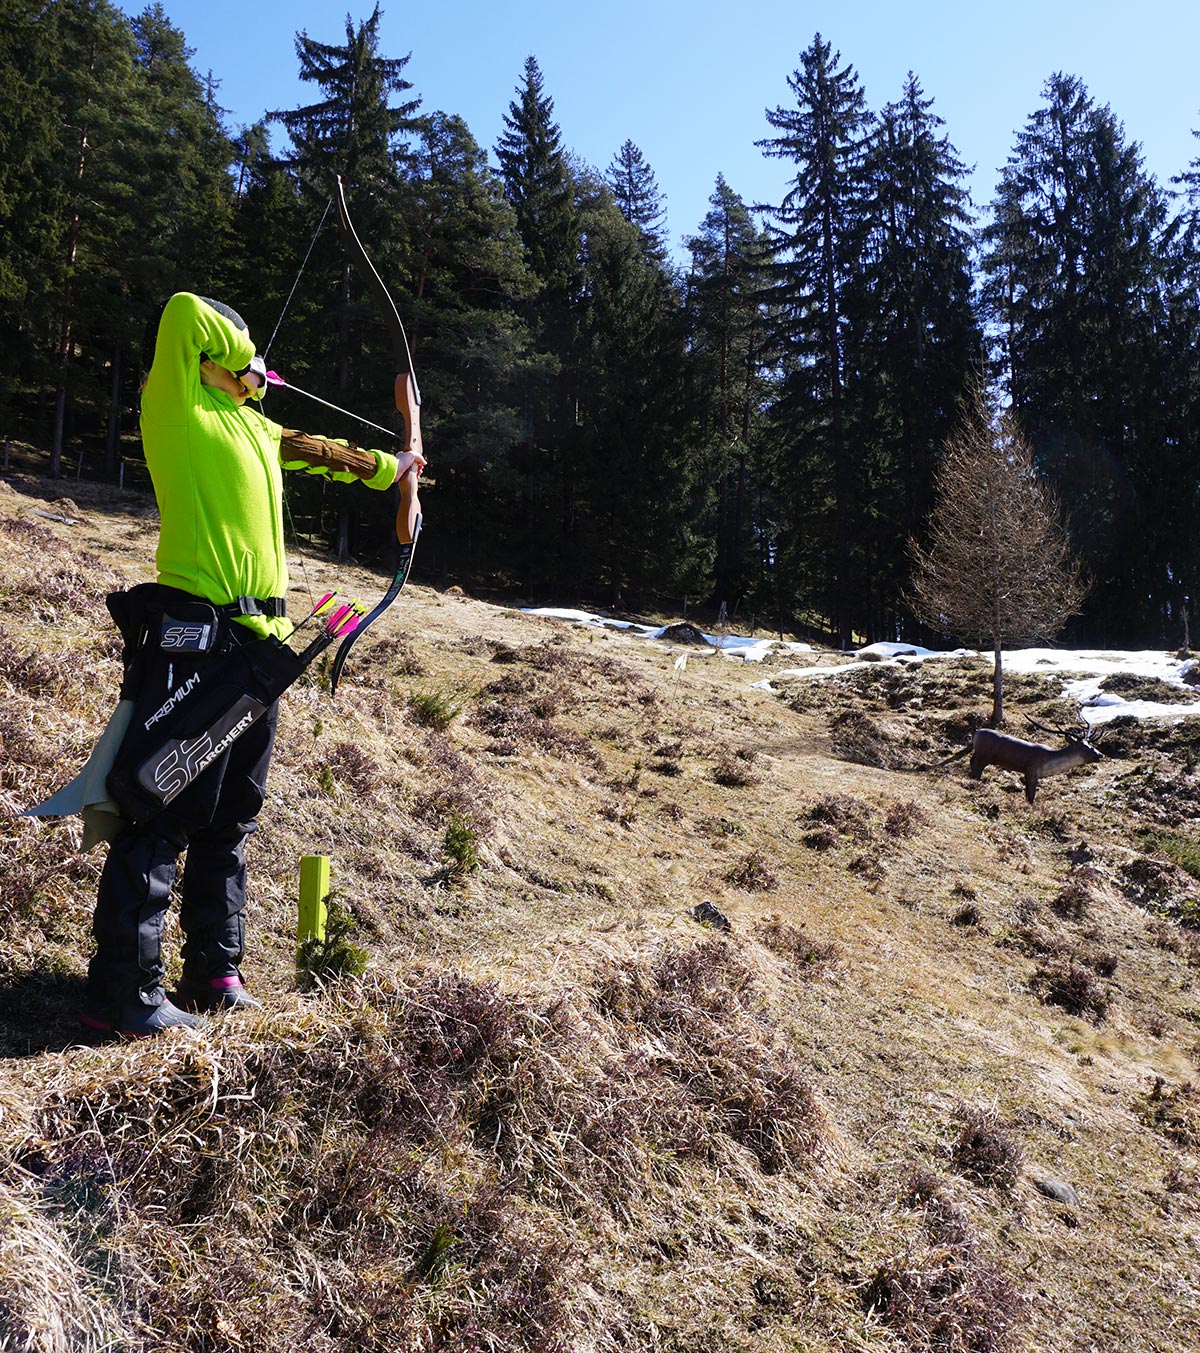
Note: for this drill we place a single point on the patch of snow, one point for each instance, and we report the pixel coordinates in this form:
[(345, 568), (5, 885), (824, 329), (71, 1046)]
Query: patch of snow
[(1082, 670)]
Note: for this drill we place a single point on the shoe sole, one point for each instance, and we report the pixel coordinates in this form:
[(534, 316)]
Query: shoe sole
[(97, 1026)]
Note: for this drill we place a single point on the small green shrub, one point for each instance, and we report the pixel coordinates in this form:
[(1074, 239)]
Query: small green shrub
[(334, 958), (433, 708), (461, 846), (1178, 847)]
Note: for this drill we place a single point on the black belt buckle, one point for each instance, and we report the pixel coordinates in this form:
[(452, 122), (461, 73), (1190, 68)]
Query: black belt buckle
[(268, 606)]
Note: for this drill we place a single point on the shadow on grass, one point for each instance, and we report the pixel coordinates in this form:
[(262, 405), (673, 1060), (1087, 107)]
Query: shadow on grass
[(39, 1012)]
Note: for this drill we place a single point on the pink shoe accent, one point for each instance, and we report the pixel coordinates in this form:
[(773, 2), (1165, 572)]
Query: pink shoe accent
[(224, 983), (91, 1022)]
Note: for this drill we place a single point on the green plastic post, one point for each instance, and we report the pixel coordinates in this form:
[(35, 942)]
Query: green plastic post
[(314, 889)]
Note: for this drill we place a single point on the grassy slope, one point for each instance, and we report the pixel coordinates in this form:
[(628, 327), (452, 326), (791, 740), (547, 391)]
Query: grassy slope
[(557, 1112)]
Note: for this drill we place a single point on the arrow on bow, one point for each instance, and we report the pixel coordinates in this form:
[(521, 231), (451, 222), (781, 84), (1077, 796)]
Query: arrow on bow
[(408, 406)]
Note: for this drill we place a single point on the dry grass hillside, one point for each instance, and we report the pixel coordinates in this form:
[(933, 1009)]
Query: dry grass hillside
[(925, 1078)]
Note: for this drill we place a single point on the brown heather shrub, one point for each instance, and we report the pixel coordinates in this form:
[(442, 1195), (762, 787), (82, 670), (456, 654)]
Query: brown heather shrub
[(724, 1052), (1101, 961), (1078, 895), (1073, 988), (939, 1293), (28, 531), (65, 588), (522, 722), (753, 872), (46, 885), (812, 957), (39, 674), (734, 769), (1013, 850), (905, 818), (395, 655), (843, 813), (345, 1151), (348, 764), (623, 814), (448, 785), (984, 1152), (869, 864), (822, 838), (1175, 1112)]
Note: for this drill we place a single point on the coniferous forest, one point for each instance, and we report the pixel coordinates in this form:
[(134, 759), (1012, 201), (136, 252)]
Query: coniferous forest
[(757, 430)]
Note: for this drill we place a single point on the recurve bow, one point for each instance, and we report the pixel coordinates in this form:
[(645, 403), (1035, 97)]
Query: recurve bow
[(408, 406)]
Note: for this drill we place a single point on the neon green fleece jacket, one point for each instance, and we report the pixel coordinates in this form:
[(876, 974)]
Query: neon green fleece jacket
[(216, 467)]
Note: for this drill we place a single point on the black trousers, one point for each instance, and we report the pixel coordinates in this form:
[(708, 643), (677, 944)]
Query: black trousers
[(210, 820)]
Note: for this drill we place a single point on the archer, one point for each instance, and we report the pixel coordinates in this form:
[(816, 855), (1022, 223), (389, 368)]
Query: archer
[(215, 462)]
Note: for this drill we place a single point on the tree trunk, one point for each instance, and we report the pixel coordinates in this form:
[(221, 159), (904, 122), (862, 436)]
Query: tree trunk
[(998, 682), (65, 329), (112, 440)]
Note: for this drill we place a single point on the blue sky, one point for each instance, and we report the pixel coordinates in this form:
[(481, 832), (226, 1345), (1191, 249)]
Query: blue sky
[(688, 82)]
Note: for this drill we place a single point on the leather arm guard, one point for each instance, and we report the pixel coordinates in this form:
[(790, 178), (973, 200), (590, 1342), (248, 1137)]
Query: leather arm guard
[(300, 446)]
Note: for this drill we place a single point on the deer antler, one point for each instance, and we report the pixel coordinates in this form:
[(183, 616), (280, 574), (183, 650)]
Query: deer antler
[(1081, 731)]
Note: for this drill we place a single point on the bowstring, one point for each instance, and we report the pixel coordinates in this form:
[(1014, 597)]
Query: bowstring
[(287, 507)]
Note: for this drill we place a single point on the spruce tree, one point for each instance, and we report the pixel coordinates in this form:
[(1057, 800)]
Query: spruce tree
[(539, 184), (354, 131), (637, 195), (469, 282), (635, 470), (816, 234), (1073, 289), (727, 336), (30, 156), (914, 340), (91, 86), (537, 180)]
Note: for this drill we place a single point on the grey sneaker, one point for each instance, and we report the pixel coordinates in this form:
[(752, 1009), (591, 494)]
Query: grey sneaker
[(215, 994), (138, 1021)]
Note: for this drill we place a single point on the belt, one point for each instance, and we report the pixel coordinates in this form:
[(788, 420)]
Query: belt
[(269, 606)]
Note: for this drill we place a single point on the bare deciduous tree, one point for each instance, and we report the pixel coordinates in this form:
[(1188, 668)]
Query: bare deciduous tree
[(995, 566)]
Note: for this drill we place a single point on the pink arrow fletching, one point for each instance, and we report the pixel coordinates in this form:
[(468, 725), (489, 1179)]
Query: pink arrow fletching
[(274, 378), (332, 623)]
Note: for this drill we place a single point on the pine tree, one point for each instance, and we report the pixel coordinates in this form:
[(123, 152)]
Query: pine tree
[(469, 282), (637, 195), (727, 331), (914, 339), (539, 184), (817, 239), (354, 132), (1073, 290)]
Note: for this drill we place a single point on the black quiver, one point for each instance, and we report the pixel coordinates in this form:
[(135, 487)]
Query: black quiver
[(181, 726)]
